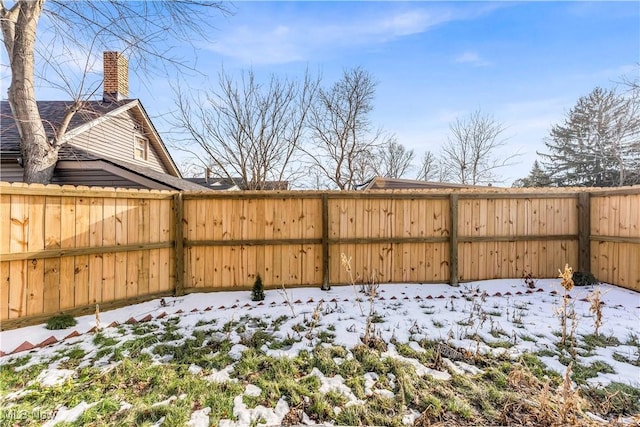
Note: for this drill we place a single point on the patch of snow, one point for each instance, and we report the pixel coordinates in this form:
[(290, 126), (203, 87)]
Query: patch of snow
[(306, 420), (452, 366), (416, 347), (236, 351), (165, 402), (553, 364), (259, 415), (410, 417), (17, 395), (54, 377), (64, 415), (195, 369), (252, 390), (221, 376), (159, 422), (421, 370), (385, 393), (335, 383), (110, 367), (470, 369), (392, 380), (124, 406), (199, 418), (370, 379)]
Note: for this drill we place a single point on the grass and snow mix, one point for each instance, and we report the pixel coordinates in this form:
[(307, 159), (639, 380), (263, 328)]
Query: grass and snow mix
[(493, 352)]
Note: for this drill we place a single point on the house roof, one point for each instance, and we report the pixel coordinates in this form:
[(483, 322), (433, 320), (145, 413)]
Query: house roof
[(91, 114), (382, 183), (148, 173), (235, 183)]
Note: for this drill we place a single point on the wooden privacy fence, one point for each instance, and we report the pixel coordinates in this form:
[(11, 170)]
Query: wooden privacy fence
[(68, 248)]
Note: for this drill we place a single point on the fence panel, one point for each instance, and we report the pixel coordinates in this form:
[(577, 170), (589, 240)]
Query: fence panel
[(68, 248), (502, 236), (615, 238), (230, 240)]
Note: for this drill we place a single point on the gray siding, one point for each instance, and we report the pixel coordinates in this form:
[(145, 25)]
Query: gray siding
[(10, 171), (114, 138)]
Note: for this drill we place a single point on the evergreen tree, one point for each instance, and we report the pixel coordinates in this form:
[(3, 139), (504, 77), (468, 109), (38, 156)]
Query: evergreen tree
[(537, 178), (257, 294), (598, 144)]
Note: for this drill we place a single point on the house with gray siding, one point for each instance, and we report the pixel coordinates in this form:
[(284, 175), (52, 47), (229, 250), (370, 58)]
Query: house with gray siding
[(109, 143)]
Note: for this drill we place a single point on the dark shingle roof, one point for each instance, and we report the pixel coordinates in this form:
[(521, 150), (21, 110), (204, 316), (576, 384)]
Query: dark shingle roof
[(52, 113), (227, 183), (163, 178)]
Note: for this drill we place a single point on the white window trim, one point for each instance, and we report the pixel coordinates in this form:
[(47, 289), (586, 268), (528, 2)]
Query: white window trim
[(137, 138)]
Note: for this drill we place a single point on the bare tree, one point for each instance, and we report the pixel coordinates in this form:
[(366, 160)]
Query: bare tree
[(147, 31), (341, 131), (248, 129), (392, 160), (472, 153), (429, 170)]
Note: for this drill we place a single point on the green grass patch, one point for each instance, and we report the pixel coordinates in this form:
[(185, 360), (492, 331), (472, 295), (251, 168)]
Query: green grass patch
[(591, 341), (581, 372), (615, 400), (62, 321), (100, 340)]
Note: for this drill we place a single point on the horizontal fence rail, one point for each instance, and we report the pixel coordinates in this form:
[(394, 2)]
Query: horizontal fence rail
[(69, 248)]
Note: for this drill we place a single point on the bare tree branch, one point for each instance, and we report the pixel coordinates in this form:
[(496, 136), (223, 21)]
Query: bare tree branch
[(149, 32), (471, 154), (248, 129), (341, 130)]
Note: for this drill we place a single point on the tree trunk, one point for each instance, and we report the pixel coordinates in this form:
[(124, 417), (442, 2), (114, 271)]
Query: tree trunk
[(39, 156)]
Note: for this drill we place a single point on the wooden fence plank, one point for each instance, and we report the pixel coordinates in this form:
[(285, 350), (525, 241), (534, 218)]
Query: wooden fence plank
[(53, 211), (133, 258), (325, 244), (453, 243), (109, 259), (96, 218), (67, 240), (154, 254), (5, 280), (5, 243), (143, 237), (166, 260), (18, 269), (584, 232), (83, 209)]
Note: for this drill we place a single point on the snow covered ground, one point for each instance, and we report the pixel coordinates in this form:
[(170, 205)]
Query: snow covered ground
[(496, 317)]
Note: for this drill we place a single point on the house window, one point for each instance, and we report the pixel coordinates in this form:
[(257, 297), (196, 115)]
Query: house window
[(140, 148)]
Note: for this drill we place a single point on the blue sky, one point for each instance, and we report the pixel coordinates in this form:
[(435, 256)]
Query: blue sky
[(525, 63)]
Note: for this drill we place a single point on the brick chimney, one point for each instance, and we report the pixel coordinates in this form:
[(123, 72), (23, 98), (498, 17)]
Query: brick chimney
[(116, 77)]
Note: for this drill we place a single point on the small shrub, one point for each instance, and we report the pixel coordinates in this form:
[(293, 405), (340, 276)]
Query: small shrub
[(62, 321), (257, 294), (584, 278)]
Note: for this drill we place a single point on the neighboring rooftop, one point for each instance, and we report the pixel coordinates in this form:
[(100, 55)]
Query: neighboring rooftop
[(236, 183)]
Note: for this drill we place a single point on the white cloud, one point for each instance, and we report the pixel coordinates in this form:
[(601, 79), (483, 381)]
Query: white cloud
[(472, 58), (283, 38)]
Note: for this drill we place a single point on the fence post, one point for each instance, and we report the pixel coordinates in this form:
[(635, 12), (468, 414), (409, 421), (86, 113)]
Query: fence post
[(325, 243), (453, 240), (584, 232), (178, 217)]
